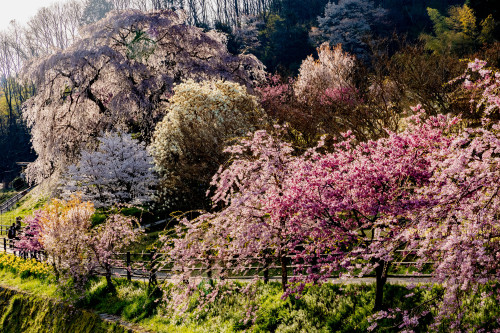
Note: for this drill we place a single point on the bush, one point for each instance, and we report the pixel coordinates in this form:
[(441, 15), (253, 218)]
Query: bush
[(18, 183)]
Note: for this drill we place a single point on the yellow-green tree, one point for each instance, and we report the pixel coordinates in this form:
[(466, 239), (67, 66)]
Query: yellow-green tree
[(458, 33)]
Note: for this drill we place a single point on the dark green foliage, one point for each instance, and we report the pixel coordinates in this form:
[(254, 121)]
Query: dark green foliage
[(410, 16), (284, 45), (17, 184), (233, 46), (98, 218), (141, 214), (284, 34), (483, 8), (300, 11), (15, 144)]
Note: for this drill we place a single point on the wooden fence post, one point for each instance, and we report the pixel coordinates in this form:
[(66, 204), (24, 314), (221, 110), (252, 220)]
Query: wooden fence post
[(152, 268), (129, 275), (5, 245)]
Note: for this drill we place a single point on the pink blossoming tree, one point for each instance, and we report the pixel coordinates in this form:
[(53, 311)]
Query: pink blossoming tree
[(30, 237), (76, 250), (460, 230), (328, 213), (331, 95), (110, 238)]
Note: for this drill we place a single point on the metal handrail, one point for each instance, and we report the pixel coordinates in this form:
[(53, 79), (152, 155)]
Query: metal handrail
[(7, 205)]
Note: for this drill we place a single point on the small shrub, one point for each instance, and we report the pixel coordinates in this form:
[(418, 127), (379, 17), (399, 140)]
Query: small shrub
[(97, 218)]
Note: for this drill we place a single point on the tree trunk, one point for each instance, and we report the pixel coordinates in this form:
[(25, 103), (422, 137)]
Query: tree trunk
[(56, 272), (266, 271), (237, 13), (284, 272), (109, 282), (381, 279)]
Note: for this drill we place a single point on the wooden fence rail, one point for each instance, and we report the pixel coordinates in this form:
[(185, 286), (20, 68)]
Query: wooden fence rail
[(150, 266), (4, 228)]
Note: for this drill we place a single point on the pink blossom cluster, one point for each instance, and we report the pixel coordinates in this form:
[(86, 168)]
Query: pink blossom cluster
[(30, 237), (344, 95), (321, 99), (63, 229), (485, 89)]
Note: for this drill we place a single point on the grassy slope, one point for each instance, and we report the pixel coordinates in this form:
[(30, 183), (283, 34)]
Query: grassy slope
[(329, 308), (22, 312), (26, 206), (6, 195)]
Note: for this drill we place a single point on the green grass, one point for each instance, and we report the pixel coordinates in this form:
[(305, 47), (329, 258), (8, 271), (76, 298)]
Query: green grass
[(148, 242), (142, 215), (23, 208), (31, 285), (321, 309), (22, 312), (132, 301)]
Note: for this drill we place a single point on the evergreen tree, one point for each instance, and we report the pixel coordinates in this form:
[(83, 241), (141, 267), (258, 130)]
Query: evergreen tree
[(458, 33)]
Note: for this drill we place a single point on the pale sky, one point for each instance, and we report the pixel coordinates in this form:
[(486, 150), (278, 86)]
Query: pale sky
[(20, 10)]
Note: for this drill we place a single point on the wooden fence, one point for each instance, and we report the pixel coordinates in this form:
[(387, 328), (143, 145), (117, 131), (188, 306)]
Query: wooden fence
[(4, 228), (151, 267)]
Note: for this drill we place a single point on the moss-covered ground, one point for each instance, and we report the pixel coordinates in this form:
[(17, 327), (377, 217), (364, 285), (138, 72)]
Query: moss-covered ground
[(21, 312)]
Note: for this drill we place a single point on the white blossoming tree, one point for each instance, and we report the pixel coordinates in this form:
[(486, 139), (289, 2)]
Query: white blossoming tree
[(119, 171), (326, 77), (348, 22), (188, 143)]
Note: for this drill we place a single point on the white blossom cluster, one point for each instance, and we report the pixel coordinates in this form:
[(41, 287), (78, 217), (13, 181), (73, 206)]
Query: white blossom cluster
[(332, 70), (119, 75), (187, 144), (119, 171), (348, 22)]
